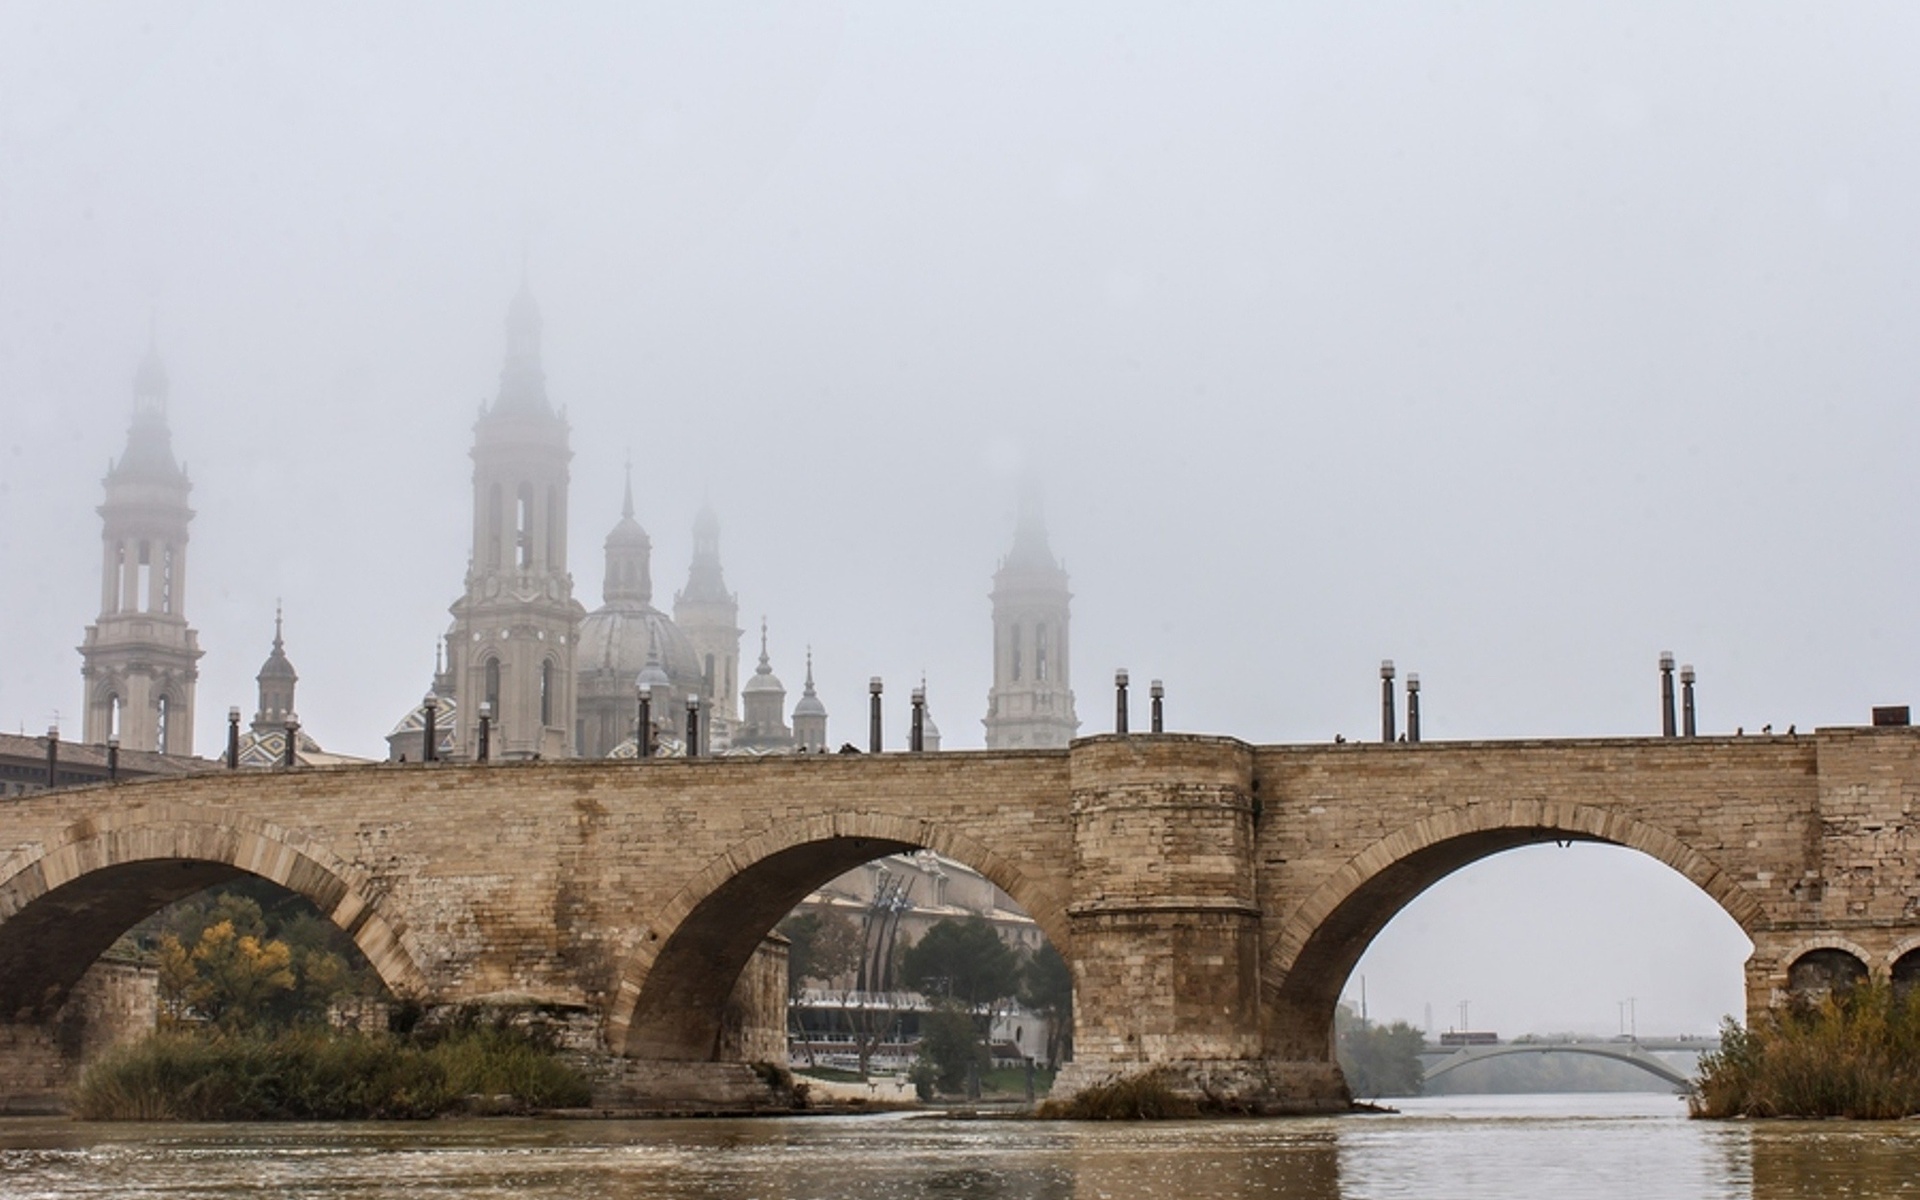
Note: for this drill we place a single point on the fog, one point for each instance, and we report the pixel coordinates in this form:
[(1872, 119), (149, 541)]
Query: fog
[(1516, 343)]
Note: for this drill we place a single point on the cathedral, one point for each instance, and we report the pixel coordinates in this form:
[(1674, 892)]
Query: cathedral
[(525, 671)]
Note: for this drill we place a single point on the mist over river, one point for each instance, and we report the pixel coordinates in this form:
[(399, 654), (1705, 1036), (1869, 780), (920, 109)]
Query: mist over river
[(1471, 1148)]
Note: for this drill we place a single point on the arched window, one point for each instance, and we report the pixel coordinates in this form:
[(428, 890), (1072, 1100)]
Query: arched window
[(492, 688), (160, 714), (166, 580), (495, 519), (1828, 971), (1040, 652), (553, 528), (1016, 652), (709, 677), (523, 525), (113, 714), (546, 693), (142, 596)]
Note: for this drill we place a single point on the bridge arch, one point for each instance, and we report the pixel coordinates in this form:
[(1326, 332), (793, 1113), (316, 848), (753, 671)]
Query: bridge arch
[(1627, 1054), (1307, 963), (672, 991), (62, 905)]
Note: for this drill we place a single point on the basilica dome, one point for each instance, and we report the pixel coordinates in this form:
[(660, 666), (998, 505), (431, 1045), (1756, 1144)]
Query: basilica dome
[(614, 644)]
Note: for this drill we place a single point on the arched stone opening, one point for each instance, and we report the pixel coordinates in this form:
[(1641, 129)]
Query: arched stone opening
[(1823, 972), (1307, 966), (1906, 973), (671, 1002), (60, 911)]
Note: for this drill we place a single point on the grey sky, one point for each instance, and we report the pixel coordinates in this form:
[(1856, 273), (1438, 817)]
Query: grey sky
[(1517, 343)]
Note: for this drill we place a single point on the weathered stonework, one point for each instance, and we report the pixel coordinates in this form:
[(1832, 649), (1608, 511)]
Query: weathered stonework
[(1211, 896)]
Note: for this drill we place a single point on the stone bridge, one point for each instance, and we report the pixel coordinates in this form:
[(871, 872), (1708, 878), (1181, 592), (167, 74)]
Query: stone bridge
[(1211, 896)]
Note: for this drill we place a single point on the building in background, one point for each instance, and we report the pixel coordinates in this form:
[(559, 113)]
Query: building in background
[(1031, 703), (140, 657)]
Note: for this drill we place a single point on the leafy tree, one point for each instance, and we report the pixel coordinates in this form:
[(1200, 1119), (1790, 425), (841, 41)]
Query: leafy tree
[(1046, 987), (951, 1045), (1379, 1060), (965, 960), (823, 946), (229, 978)]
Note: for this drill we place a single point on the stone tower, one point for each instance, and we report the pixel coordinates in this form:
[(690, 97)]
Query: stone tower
[(276, 679), (764, 724), (1031, 704), (810, 716), (512, 641), (140, 657), (710, 617)]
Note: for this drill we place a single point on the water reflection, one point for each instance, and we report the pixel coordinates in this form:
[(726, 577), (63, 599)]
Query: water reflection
[(1482, 1148)]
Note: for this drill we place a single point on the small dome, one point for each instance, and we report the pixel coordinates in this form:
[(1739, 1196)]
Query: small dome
[(810, 705)]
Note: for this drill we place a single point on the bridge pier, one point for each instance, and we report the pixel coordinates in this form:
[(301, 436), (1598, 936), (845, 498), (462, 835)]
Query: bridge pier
[(1166, 928)]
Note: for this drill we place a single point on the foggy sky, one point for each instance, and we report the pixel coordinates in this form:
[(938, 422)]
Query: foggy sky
[(1517, 343)]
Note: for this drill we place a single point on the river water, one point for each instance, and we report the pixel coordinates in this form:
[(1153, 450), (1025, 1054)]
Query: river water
[(1637, 1147)]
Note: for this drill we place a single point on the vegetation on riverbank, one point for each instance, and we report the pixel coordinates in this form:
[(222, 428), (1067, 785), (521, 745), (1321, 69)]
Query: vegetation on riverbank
[(1855, 1054), (312, 1074)]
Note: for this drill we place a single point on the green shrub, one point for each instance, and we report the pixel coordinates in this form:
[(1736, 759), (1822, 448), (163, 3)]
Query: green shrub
[(1143, 1097), (316, 1075), (1856, 1055)]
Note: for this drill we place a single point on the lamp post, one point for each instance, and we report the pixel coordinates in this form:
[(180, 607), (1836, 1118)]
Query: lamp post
[(643, 734), (1386, 700), (693, 727), (429, 732), (233, 738), (113, 760), (1157, 694), (1666, 693), (486, 728), (293, 741), (1120, 700), (874, 688), (1686, 698), (53, 755), (1413, 706), (916, 740)]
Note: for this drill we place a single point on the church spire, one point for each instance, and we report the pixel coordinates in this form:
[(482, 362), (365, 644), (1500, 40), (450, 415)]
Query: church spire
[(523, 381), (1031, 703), (276, 679), (629, 573)]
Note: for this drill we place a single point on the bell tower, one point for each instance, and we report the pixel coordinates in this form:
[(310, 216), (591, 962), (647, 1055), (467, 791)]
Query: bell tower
[(709, 615), (140, 658), (1031, 704), (512, 641)]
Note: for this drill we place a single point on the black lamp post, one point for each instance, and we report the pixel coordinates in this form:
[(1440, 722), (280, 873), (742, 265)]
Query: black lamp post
[(1686, 698), (1157, 694), (1666, 693), (1120, 700), (293, 741), (1386, 700), (113, 760), (233, 739), (917, 737), (643, 735), (53, 755), (874, 688), (1413, 706), (486, 729), (430, 733), (693, 726)]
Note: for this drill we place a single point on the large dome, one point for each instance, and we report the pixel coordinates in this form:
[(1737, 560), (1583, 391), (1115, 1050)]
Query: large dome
[(613, 646)]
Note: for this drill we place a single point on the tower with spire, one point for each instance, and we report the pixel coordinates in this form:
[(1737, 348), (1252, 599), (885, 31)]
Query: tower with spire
[(276, 679), (140, 657), (763, 724), (810, 716), (627, 644), (1031, 703), (710, 617), (512, 640)]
